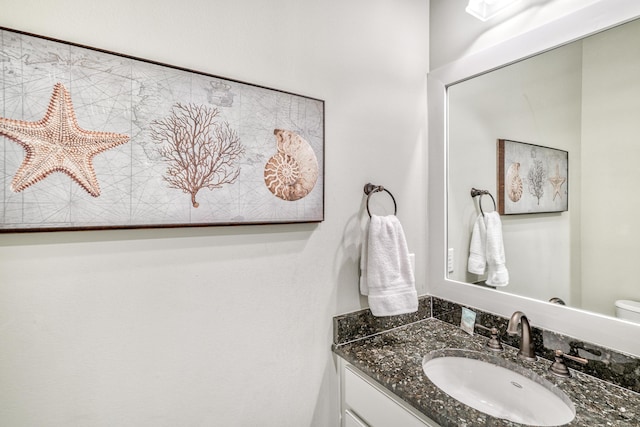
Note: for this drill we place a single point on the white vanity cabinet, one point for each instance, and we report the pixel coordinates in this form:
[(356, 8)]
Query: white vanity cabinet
[(352, 420), (365, 403)]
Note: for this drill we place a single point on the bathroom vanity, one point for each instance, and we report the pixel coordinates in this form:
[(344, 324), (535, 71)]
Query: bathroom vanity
[(365, 399), (383, 382)]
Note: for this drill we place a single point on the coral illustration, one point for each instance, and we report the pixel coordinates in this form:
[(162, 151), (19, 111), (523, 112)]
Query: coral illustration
[(201, 151), (536, 179)]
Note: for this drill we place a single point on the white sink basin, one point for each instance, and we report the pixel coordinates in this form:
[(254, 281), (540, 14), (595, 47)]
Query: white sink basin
[(498, 387)]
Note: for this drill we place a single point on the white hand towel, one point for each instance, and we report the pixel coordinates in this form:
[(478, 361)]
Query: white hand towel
[(477, 249), (364, 250), (497, 274), (387, 275)]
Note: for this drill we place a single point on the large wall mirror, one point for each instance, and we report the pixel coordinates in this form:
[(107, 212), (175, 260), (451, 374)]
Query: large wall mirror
[(572, 86), (583, 98)]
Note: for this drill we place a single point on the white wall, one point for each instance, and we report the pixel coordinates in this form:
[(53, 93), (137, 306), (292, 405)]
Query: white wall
[(455, 33), (610, 155), (226, 326)]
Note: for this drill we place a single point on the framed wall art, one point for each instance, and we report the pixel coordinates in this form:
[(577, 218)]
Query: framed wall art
[(93, 139), (531, 178)]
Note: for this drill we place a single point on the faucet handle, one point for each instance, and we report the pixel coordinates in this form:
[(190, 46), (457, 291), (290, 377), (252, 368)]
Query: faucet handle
[(559, 368), (494, 343)]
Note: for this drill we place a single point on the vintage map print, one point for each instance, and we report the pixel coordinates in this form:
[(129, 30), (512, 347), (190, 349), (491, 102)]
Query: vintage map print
[(91, 139)]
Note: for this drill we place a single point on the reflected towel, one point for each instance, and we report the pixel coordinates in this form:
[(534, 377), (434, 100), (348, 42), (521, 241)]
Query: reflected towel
[(477, 259), (497, 274)]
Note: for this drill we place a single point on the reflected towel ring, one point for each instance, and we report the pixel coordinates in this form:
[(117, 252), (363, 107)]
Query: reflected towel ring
[(475, 192), (370, 189)]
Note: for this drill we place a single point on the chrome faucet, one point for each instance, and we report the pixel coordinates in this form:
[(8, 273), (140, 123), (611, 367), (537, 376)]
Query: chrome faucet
[(526, 343)]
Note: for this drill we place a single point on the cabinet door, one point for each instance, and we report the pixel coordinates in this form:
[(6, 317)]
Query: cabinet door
[(375, 406), (351, 420)]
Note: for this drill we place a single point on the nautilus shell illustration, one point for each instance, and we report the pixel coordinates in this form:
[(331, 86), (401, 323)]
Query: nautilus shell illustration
[(514, 182), (292, 172)]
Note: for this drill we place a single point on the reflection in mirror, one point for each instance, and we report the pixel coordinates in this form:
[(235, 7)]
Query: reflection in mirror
[(583, 98)]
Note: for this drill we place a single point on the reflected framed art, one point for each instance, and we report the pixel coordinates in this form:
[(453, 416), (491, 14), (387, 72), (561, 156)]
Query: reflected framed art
[(531, 178)]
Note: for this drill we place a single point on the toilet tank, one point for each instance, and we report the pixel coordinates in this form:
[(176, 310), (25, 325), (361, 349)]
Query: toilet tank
[(628, 310)]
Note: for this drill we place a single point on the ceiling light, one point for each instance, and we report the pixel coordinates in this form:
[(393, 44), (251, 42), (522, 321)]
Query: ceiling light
[(486, 9)]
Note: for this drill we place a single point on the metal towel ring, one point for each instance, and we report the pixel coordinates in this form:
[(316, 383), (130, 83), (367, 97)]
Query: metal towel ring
[(475, 192), (370, 189)]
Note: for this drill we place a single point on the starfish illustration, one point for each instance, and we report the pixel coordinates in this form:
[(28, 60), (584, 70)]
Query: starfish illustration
[(557, 182), (58, 144)]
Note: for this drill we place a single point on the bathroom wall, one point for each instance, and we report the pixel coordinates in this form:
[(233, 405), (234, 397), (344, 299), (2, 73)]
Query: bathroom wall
[(455, 33), (226, 326), (610, 207)]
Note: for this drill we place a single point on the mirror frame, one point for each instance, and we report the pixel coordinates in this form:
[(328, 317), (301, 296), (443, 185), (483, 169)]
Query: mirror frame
[(588, 326)]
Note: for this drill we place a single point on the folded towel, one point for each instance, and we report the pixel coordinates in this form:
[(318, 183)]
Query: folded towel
[(477, 249), (386, 272), (364, 250), (497, 274)]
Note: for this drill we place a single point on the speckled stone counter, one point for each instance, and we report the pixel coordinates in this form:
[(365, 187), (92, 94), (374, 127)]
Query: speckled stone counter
[(394, 359)]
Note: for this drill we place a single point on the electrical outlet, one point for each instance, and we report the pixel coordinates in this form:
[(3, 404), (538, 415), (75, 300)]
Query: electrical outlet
[(450, 260)]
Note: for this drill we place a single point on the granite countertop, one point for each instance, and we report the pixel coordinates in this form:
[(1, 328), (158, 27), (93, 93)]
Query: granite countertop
[(394, 359)]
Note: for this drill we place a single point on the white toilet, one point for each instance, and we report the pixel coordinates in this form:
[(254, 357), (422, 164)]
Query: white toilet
[(628, 310)]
